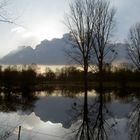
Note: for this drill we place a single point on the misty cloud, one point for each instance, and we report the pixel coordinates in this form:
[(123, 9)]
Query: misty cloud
[(25, 37), (127, 14), (44, 21)]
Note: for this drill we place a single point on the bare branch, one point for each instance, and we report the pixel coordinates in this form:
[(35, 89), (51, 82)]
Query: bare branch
[(134, 45)]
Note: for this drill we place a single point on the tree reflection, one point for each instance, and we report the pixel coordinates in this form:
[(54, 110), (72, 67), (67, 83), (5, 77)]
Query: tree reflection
[(93, 124), (17, 101), (93, 118), (134, 123), (100, 114)]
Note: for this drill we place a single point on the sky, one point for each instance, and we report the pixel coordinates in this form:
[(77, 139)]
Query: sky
[(43, 19)]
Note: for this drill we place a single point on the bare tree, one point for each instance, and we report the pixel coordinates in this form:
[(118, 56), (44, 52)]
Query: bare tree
[(5, 133), (134, 45), (102, 32), (3, 12), (135, 123), (90, 23), (134, 55), (80, 22)]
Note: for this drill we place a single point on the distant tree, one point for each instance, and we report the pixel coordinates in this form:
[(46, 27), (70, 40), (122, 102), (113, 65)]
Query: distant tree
[(27, 81), (0, 75), (49, 74), (70, 73), (134, 45), (9, 79)]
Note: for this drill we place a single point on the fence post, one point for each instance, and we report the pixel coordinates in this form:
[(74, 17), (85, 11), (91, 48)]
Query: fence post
[(19, 132)]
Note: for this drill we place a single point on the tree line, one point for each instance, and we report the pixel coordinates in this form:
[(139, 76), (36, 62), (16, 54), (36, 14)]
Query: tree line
[(91, 24), (27, 79)]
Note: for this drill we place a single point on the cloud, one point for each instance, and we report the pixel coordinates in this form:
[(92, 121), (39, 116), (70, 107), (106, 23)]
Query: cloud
[(127, 15), (22, 32), (24, 37), (18, 30)]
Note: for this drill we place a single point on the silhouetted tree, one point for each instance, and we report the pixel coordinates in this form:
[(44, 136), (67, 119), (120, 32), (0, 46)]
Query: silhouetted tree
[(49, 75), (70, 74), (135, 123), (10, 79), (80, 22), (101, 48), (27, 81), (6, 133), (90, 23), (134, 45), (134, 55), (102, 32)]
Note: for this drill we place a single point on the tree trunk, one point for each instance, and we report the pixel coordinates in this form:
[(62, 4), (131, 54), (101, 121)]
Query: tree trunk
[(85, 116)]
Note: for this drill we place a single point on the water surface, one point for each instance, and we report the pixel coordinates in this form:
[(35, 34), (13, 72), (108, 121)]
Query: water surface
[(53, 116)]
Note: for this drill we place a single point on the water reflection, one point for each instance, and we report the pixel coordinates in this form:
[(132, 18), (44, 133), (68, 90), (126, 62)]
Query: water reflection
[(17, 101), (108, 109), (94, 118)]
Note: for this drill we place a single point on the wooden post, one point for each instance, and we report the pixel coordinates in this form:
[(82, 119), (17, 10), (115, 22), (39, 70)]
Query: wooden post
[(19, 132)]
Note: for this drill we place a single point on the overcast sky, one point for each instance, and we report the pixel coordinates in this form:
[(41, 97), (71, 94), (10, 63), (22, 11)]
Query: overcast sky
[(42, 19)]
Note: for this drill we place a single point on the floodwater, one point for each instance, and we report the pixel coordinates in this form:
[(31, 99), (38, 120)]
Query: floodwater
[(54, 114)]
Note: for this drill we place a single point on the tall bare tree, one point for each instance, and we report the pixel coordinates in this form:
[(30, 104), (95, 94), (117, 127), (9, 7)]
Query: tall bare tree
[(80, 22), (102, 33), (90, 23), (134, 45), (102, 48), (134, 55)]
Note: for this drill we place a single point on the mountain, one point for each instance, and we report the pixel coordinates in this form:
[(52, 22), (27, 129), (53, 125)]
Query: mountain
[(50, 52)]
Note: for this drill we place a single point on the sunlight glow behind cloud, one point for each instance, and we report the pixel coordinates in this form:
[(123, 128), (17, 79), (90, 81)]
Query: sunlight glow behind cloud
[(41, 32), (43, 20), (18, 30), (22, 31)]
